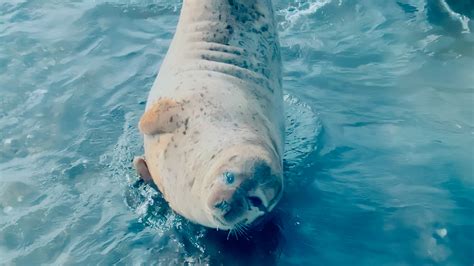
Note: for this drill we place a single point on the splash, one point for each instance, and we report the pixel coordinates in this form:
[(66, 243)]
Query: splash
[(456, 16), (152, 210), (300, 9)]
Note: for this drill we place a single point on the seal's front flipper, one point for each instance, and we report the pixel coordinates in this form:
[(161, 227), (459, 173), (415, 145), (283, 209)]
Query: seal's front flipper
[(164, 116), (142, 169)]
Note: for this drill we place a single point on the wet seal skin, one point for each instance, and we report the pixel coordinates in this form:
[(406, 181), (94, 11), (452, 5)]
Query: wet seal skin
[(213, 125)]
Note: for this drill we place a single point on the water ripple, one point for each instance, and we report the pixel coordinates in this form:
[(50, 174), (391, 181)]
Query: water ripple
[(378, 98)]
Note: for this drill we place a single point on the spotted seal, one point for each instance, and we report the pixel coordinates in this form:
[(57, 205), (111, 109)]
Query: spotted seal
[(213, 125)]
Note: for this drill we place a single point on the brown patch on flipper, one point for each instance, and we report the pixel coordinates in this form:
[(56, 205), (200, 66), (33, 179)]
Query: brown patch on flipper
[(142, 169), (164, 116)]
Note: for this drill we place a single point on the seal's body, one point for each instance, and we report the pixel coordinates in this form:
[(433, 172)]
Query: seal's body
[(213, 125)]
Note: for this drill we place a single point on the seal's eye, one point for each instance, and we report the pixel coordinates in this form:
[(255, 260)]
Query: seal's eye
[(229, 177)]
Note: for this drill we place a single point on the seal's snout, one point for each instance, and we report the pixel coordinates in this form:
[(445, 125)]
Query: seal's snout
[(244, 196), (229, 209), (243, 187)]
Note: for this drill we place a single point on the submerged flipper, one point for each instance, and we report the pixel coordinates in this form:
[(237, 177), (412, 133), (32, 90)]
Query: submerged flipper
[(164, 116)]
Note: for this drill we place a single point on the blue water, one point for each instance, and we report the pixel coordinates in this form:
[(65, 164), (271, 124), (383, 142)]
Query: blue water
[(380, 145)]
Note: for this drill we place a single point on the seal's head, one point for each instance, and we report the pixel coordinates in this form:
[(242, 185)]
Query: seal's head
[(243, 185)]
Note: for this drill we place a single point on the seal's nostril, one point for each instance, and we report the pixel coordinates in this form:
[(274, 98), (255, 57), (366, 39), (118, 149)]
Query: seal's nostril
[(256, 202), (223, 206)]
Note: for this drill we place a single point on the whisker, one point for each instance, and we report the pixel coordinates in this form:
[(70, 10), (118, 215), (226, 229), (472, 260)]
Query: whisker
[(247, 228), (247, 236), (244, 232), (263, 184), (279, 227), (242, 228), (237, 232)]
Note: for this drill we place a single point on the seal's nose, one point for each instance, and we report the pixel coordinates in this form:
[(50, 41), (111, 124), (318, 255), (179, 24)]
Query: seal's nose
[(257, 202), (231, 209), (223, 206)]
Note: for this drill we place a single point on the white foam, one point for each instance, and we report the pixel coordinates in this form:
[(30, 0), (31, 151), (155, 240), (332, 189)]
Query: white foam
[(292, 14), (442, 232)]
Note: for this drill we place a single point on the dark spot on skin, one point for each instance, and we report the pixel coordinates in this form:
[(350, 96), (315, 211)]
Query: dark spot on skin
[(236, 125), (262, 171), (176, 146), (202, 109), (232, 158), (186, 122), (171, 119), (202, 94), (184, 132), (213, 156), (230, 29)]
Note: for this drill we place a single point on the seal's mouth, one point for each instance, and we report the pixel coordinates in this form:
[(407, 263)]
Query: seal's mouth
[(223, 225), (253, 209), (242, 224), (226, 226)]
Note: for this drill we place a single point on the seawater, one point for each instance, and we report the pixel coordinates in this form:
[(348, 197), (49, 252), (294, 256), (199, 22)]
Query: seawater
[(380, 136)]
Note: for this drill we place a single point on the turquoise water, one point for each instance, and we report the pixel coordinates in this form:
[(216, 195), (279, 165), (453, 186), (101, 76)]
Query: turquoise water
[(380, 138)]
